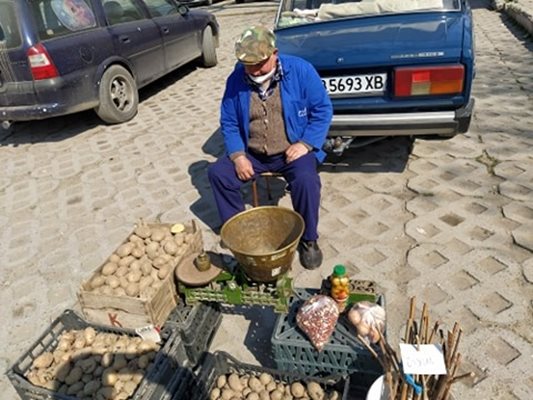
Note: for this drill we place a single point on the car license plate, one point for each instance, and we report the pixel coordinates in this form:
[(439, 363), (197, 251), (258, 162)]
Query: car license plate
[(372, 84)]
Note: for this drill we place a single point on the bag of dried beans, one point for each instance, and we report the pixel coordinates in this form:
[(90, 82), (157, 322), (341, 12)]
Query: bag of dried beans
[(317, 318)]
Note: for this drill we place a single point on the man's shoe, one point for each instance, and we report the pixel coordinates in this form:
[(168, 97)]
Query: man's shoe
[(310, 254)]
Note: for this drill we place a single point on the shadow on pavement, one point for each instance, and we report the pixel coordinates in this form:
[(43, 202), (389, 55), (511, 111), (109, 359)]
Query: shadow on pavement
[(257, 340), (387, 155)]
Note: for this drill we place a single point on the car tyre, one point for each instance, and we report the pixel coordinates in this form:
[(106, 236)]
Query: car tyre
[(209, 53), (118, 96)]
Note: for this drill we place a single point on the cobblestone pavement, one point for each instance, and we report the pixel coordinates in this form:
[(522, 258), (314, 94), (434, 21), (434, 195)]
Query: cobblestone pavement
[(448, 221)]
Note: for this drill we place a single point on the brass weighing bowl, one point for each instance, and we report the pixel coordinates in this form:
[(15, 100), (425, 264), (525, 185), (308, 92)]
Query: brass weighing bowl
[(263, 240)]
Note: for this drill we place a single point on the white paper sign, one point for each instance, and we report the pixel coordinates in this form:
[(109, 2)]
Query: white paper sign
[(149, 332), (426, 359)]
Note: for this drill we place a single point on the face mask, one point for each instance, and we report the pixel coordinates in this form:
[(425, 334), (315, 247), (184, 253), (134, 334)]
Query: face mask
[(262, 78)]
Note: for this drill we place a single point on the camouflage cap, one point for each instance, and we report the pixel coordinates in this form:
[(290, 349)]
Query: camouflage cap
[(255, 45)]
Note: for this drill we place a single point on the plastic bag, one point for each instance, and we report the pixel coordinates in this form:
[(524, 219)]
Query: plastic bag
[(317, 317), (369, 320)]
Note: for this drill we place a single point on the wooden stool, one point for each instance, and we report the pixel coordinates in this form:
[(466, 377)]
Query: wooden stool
[(267, 176)]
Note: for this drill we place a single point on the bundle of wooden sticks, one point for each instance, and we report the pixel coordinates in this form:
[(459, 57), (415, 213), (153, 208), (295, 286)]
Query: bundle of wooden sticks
[(400, 386)]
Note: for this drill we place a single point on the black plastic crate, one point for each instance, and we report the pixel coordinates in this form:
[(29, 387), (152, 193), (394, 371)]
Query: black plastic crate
[(221, 363), (343, 354), (198, 325), (156, 381)]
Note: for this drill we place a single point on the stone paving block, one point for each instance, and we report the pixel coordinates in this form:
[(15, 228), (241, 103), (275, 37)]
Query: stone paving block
[(502, 352), (474, 221), (463, 176)]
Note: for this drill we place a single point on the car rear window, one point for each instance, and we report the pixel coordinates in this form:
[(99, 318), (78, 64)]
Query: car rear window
[(61, 17), (294, 12), (9, 30)]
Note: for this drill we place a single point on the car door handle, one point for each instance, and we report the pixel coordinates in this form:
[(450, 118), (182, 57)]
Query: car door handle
[(124, 38), (165, 30)]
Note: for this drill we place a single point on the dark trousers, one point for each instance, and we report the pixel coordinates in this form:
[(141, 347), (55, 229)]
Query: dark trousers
[(302, 179)]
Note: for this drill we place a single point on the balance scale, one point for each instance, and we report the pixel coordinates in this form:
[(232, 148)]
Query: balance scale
[(218, 278)]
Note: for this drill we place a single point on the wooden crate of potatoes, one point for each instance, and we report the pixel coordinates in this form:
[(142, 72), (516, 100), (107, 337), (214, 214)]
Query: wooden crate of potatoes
[(135, 286)]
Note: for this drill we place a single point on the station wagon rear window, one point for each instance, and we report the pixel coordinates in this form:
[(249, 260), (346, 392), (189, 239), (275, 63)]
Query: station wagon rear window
[(9, 30), (296, 12), (60, 17)]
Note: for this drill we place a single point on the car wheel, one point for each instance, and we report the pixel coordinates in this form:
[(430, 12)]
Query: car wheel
[(118, 96), (209, 54)]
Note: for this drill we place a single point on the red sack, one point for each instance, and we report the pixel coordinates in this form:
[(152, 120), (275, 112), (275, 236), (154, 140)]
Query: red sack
[(317, 317)]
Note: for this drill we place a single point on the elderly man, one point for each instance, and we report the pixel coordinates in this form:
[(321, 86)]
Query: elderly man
[(275, 115)]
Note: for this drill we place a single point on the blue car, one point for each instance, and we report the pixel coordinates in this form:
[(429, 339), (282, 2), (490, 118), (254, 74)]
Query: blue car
[(62, 56), (391, 67)]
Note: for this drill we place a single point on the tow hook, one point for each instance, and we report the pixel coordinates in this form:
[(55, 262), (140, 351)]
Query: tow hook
[(337, 145), (6, 124)]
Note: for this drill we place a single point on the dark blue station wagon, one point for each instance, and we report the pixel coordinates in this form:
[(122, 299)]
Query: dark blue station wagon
[(63, 56)]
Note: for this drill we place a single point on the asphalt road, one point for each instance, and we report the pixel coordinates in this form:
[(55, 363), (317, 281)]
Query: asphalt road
[(450, 222)]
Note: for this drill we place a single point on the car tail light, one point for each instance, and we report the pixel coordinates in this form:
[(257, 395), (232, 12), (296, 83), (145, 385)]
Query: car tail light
[(41, 64), (417, 81)]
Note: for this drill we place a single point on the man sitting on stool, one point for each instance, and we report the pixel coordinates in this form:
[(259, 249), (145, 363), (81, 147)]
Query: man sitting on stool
[(275, 116)]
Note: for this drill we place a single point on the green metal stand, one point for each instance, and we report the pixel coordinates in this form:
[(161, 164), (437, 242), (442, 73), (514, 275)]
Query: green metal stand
[(237, 289)]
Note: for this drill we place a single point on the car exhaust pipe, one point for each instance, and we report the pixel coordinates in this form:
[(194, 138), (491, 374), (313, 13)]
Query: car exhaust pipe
[(6, 124)]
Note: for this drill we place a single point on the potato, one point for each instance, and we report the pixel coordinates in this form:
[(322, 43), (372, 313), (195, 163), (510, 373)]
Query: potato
[(160, 261), (121, 271), (119, 362), (74, 376), (138, 251), (297, 389), (124, 282), (113, 282), (157, 235), (129, 387), (125, 249), (107, 360), (88, 365), (235, 383), (276, 395), (215, 393), (315, 391), (120, 291), (227, 394), (105, 393), (132, 290), (44, 360), (334, 396), (97, 281), (143, 231), (109, 377), (264, 395), (109, 268), (135, 266), (91, 387), (89, 334), (152, 250), (163, 272), (114, 258), (271, 386), (265, 378), (146, 267), (75, 388), (255, 384), (134, 276), (171, 247), (126, 261)]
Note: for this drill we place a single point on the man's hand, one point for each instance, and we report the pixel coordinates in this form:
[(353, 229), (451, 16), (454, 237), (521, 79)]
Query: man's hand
[(295, 151), (243, 168)]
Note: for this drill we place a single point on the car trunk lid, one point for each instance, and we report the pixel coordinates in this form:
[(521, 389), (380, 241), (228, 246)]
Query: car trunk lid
[(376, 41)]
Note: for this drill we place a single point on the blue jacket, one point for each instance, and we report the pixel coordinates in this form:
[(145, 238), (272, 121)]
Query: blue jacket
[(307, 109)]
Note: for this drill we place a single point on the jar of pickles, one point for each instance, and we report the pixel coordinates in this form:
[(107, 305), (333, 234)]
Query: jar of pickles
[(340, 286)]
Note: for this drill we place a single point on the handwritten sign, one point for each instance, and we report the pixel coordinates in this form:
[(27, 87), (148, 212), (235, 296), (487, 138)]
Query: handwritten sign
[(149, 332), (426, 359)]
